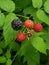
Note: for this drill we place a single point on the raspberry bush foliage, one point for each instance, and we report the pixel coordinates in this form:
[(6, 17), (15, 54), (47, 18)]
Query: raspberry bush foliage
[(31, 47)]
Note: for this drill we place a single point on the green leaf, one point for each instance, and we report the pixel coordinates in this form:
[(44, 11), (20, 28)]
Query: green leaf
[(8, 62), (2, 59), (3, 44), (44, 1), (2, 19), (30, 54), (42, 16), (7, 5), (40, 33), (1, 51), (29, 10), (32, 11), (46, 38), (46, 6), (21, 4), (30, 62), (37, 3), (14, 46), (8, 31), (39, 44), (8, 54)]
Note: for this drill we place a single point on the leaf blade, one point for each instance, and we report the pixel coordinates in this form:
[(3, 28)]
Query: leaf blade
[(39, 44), (7, 5), (42, 16), (37, 3)]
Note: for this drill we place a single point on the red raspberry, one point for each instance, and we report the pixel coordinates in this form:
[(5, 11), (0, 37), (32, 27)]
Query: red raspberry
[(38, 27), (21, 37), (28, 24)]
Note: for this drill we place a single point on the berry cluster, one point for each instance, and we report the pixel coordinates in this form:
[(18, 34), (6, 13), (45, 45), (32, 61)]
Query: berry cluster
[(29, 25)]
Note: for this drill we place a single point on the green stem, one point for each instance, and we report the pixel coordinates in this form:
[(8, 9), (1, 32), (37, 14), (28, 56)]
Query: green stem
[(14, 58), (24, 30), (22, 16)]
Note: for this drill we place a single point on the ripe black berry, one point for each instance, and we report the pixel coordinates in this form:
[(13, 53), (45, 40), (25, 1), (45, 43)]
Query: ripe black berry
[(16, 24)]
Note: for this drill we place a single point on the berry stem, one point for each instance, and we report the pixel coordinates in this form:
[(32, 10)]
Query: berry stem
[(22, 16), (24, 30)]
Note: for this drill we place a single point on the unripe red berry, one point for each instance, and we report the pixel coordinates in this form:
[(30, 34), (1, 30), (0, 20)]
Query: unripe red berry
[(38, 27), (21, 37), (28, 24)]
